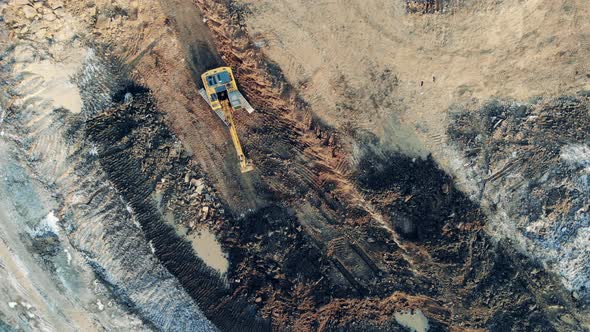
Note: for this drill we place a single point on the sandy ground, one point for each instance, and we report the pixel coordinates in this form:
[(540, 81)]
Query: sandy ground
[(363, 62)]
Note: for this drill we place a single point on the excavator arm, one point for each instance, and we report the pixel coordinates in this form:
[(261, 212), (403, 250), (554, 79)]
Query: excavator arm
[(245, 164)]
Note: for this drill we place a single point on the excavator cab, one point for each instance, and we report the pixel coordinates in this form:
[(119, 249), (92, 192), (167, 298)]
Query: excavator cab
[(221, 93)]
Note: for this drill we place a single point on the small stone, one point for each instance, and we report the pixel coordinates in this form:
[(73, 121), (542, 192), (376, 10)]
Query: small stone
[(134, 10), (55, 4), (575, 295), (50, 17), (29, 12), (196, 182), (128, 98), (205, 212), (101, 21), (92, 12), (260, 43), (200, 189), (568, 319), (258, 299), (42, 33), (60, 12), (99, 305)]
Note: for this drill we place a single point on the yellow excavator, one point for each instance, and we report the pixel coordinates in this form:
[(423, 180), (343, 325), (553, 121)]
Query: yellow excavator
[(222, 94)]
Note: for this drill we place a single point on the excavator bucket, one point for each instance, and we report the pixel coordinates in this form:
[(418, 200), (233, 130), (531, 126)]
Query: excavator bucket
[(247, 167)]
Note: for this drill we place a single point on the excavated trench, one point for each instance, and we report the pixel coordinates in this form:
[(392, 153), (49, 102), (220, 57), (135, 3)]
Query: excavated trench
[(314, 256), (308, 261)]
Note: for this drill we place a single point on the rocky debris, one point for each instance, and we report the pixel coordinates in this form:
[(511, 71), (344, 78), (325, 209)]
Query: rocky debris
[(426, 6), (530, 162), (194, 197), (37, 20)]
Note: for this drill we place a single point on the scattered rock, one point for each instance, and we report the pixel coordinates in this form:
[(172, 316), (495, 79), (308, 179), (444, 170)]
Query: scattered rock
[(576, 295), (55, 4), (196, 183), (60, 12), (29, 12), (204, 212), (99, 305), (568, 319), (50, 17)]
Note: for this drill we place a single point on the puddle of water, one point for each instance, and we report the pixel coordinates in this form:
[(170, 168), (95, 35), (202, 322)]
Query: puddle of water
[(55, 81), (414, 320), (203, 242), (209, 250), (57, 86)]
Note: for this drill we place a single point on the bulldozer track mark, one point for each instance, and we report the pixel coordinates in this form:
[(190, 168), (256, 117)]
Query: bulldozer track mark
[(363, 254), (504, 170), (348, 276), (139, 56), (343, 168)]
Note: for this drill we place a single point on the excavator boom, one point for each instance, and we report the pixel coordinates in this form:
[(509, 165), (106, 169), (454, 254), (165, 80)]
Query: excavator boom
[(245, 164)]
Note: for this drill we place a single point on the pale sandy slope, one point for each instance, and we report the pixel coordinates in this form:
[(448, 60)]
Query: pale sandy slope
[(337, 51)]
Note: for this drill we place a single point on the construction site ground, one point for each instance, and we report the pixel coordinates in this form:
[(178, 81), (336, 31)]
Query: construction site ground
[(315, 240), (352, 214)]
